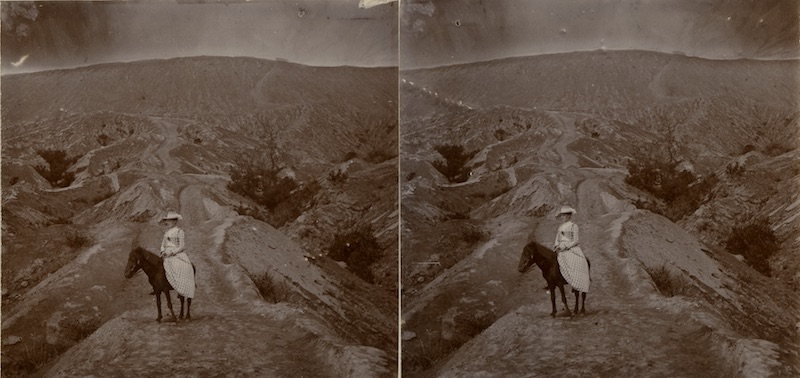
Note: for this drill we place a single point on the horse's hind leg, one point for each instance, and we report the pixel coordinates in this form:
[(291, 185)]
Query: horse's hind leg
[(180, 297), (564, 300), (577, 300), (188, 308), (169, 304), (553, 300), (583, 302)]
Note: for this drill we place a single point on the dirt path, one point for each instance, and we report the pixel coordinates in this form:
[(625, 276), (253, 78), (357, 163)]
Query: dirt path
[(629, 328), (232, 330), (171, 140)]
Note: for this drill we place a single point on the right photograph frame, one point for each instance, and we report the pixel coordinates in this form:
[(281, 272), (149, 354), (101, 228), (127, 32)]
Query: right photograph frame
[(599, 188)]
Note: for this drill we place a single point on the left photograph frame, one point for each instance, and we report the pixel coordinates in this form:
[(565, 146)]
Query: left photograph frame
[(235, 160)]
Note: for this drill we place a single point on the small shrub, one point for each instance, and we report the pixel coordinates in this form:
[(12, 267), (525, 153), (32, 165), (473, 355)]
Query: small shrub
[(31, 358), (338, 176), (198, 140), (359, 249), (472, 236), (56, 170), (756, 242), (775, 149), (270, 289), (103, 139), (748, 148), (410, 176), (350, 155), (377, 156), (735, 169), (78, 241), (453, 168), (667, 283), (13, 180), (541, 210), (78, 329), (62, 220)]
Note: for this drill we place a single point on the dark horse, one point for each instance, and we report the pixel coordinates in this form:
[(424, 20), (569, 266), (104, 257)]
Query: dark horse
[(546, 260), (153, 266)]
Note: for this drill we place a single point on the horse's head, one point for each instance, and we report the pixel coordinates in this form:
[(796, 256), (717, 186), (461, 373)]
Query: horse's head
[(526, 258), (134, 262), (533, 253)]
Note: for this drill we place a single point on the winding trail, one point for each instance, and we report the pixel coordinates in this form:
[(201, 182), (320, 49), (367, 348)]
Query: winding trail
[(233, 331), (629, 328)]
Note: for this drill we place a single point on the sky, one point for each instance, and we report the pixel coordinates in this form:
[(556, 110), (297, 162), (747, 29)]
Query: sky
[(444, 32), (46, 35)]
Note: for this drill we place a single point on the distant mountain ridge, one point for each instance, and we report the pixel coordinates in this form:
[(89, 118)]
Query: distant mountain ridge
[(215, 85)]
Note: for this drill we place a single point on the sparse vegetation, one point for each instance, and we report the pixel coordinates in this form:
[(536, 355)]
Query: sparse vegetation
[(735, 169), (681, 192), (667, 283), (756, 242), (34, 355), (56, 170), (270, 289), (337, 176), (455, 160), (282, 196), (430, 349), (748, 148), (776, 149), (378, 155), (350, 155), (472, 236), (359, 249), (77, 240)]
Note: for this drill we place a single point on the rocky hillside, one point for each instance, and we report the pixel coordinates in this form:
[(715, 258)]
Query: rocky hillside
[(550, 130), (146, 137)]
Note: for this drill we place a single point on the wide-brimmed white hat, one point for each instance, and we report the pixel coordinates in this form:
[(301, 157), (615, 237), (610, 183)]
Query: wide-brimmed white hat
[(172, 215), (567, 210)]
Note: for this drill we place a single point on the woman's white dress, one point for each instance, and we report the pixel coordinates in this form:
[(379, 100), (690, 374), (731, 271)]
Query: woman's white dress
[(177, 266), (571, 260)]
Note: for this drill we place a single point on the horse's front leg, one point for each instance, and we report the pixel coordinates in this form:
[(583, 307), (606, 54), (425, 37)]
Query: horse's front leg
[(188, 308), (180, 297), (552, 290), (158, 305), (564, 300)]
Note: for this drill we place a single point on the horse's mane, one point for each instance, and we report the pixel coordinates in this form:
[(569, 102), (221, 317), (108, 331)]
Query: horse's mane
[(146, 254), (539, 251)]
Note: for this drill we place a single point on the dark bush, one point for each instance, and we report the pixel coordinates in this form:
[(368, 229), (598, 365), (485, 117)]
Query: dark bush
[(78, 240), (455, 158), (748, 148), (735, 169), (56, 170), (337, 176), (359, 249), (756, 242), (668, 283), (79, 329), (13, 180), (103, 139), (350, 155), (377, 156), (270, 289), (682, 192), (472, 236), (261, 183), (775, 149)]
